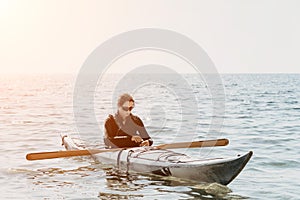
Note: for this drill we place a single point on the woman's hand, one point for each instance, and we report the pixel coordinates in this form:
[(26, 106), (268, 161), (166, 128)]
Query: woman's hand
[(136, 138), (145, 143)]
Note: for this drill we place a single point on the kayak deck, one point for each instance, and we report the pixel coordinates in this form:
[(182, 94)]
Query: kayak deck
[(168, 163)]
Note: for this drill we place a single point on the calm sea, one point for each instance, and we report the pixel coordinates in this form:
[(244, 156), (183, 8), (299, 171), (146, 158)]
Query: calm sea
[(262, 114)]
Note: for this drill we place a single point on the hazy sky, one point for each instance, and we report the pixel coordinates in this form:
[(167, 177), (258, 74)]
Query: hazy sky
[(240, 36)]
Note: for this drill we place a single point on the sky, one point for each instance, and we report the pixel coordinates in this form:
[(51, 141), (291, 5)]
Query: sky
[(57, 36)]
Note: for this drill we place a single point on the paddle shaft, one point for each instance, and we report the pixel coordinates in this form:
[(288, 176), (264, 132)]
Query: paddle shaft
[(205, 143), (70, 153)]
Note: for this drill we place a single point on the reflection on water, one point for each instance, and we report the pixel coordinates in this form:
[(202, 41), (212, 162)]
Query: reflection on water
[(121, 185), (108, 196), (53, 177)]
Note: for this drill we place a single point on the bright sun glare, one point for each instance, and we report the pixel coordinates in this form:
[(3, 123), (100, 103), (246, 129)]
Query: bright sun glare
[(6, 6)]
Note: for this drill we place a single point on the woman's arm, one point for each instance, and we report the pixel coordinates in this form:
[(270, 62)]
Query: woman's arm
[(142, 131)]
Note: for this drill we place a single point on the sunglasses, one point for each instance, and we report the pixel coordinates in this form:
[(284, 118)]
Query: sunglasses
[(127, 108)]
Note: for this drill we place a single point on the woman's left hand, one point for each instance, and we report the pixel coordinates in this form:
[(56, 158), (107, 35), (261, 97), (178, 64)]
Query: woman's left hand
[(145, 143)]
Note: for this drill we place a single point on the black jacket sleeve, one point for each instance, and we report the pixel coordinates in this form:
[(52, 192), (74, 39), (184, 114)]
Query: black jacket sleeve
[(141, 129)]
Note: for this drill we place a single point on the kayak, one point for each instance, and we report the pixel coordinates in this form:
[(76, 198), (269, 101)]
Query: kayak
[(168, 163)]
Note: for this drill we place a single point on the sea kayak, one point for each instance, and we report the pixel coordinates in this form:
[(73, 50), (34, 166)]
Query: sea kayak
[(168, 163)]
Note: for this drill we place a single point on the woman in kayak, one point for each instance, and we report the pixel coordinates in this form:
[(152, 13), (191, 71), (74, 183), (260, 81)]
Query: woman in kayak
[(125, 129)]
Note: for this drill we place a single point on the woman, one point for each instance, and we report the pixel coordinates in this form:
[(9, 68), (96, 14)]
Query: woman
[(125, 129)]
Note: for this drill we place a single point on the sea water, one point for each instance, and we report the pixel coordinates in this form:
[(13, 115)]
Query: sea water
[(261, 114)]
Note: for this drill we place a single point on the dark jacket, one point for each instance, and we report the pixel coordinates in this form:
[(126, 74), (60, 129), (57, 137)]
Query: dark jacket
[(118, 134)]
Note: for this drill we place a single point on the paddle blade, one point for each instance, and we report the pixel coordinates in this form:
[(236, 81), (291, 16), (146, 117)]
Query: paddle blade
[(63, 154), (56, 154), (204, 143)]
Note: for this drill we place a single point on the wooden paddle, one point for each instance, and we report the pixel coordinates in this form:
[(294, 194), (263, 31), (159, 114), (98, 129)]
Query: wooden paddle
[(204, 143), (70, 153)]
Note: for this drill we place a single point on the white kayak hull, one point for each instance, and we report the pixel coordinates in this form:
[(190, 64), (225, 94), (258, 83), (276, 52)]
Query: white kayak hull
[(169, 163)]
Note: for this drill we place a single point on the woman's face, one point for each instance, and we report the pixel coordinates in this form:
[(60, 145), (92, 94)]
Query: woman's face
[(126, 108)]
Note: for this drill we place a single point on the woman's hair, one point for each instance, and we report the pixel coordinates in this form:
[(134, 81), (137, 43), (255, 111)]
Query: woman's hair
[(123, 98)]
